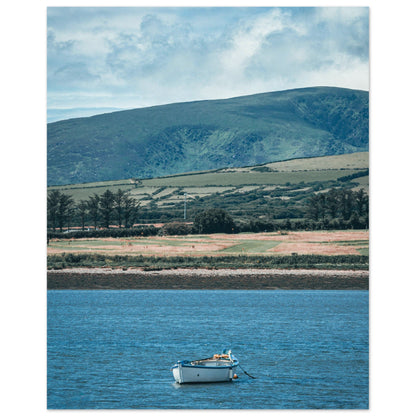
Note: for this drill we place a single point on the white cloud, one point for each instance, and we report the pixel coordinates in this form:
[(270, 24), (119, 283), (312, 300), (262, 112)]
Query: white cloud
[(119, 57), (247, 41), (343, 73), (344, 15)]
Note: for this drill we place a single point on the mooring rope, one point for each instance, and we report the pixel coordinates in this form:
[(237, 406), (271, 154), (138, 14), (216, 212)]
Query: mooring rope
[(245, 372)]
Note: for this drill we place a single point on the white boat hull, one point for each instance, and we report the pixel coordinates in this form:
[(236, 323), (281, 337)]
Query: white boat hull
[(194, 374)]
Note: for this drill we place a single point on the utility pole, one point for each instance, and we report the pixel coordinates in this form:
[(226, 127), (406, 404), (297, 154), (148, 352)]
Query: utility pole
[(184, 208)]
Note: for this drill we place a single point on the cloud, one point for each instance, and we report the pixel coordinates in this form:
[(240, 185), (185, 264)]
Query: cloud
[(75, 73), (248, 40), (134, 57)]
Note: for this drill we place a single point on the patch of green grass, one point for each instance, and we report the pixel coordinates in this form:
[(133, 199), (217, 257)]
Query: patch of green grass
[(345, 243), (245, 178), (251, 247), (364, 251)]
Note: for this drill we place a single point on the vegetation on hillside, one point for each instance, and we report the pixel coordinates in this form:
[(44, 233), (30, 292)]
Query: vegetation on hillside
[(185, 137)]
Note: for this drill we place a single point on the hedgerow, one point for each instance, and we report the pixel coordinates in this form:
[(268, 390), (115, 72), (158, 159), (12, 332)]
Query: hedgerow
[(69, 260)]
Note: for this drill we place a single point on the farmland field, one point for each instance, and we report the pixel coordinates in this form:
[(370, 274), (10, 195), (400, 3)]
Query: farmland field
[(223, 180), (251, 178), (351, 242)]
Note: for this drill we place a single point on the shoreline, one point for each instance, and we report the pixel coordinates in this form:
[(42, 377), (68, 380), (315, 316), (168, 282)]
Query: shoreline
[(203, 279)]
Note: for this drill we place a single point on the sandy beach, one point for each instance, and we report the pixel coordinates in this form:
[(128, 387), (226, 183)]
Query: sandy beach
[(298, 279)]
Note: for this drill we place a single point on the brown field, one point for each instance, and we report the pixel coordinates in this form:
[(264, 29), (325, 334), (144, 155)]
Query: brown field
[(302, 242)]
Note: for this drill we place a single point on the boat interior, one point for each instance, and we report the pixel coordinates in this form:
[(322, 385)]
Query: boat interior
[(216, 361)]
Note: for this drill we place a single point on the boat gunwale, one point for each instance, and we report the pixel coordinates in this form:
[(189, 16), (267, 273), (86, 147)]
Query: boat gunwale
[(188, 364)]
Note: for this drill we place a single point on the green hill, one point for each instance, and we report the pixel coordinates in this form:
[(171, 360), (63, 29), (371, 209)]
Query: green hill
[(203, 135)]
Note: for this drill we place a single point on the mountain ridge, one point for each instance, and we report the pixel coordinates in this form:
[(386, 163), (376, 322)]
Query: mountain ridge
[(208, 134)]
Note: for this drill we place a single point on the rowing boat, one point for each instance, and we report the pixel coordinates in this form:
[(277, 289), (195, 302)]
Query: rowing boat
[(219, 367)]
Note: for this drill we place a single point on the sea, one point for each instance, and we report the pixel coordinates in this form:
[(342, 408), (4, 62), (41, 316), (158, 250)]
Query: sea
[(110, 349)]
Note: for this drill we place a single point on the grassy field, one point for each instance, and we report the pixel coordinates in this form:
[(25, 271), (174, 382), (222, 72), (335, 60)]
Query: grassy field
[(251, 178), (351, 242)]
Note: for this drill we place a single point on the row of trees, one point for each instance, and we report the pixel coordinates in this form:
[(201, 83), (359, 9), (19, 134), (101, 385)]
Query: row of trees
[(99, 209), (335, 209), (338, 204)]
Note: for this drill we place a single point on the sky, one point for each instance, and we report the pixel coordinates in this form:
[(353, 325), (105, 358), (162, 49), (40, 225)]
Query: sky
[(105, 58)]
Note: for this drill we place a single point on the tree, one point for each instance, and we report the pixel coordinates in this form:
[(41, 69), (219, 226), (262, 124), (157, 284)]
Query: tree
[(175, 228), (93, 205), (346, 201), (106, 207), (354, 221), (361, 202), (65, 210), (349, 208), (82, 209), (60, 208), (214, 220), (119, 198), (52, 207), (314, 207), (287, 225), (332, 202), (70, 214), (130, 210), (322, 205)]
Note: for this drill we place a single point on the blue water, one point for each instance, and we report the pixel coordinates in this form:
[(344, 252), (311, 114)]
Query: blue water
[(114, 349)]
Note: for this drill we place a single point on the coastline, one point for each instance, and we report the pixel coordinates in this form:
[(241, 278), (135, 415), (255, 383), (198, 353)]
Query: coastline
[(214, 279)]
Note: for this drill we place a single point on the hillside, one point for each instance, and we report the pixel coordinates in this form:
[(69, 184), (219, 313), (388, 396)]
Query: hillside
[(203, 135)]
